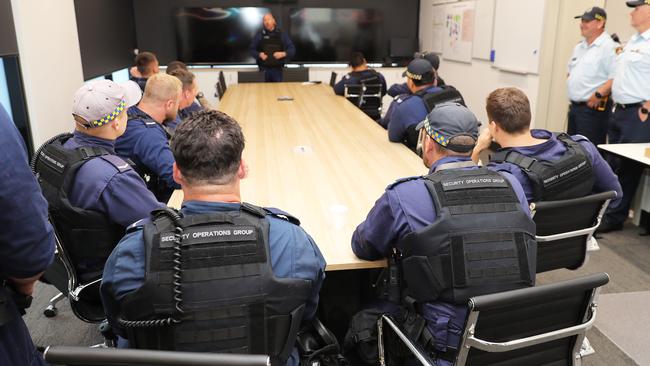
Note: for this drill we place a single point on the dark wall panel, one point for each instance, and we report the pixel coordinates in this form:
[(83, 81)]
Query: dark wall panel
[(106, 35), (155, 25), (8, 45)]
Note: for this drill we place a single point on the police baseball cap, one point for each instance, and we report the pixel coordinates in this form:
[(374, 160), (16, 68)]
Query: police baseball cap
[(594, 13), (449, 120), (100, 102), (420, 69), (433, 59), (634, 4)]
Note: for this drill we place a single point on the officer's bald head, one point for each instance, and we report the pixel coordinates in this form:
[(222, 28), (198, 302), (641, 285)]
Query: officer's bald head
[(207, 147)]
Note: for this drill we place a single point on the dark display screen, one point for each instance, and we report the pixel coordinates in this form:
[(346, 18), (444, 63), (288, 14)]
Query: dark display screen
[(217, 35), (329, 35)]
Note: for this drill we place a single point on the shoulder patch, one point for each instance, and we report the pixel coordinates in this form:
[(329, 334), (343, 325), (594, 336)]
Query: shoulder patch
[(117, 162), (402, 180), (347, 76)]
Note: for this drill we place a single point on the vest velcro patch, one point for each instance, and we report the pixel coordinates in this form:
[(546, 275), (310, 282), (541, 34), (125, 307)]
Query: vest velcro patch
[(211, 234), (474, 182)]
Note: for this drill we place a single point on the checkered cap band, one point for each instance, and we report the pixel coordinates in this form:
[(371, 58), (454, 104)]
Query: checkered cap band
[(111, 116)]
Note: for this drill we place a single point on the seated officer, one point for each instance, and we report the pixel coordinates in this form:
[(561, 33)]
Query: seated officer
[(92, 193), (146, 65), (434, 60), (409, 110), (457, 207), (200, 97), (187, 106), (145, 141), (549, 166), (361, 73), (247, 274), (26, 246)]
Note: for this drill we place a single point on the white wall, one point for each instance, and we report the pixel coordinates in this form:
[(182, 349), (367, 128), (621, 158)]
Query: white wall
[(50, 61)]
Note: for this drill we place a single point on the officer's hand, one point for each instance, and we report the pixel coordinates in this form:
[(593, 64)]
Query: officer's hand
[(643, 111), (263, 56), (279, 55), (484, 140), (593, 102)]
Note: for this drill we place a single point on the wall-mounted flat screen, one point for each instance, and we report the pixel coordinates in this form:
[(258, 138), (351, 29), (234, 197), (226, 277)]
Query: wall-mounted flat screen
[(330, 35), (217, 35)]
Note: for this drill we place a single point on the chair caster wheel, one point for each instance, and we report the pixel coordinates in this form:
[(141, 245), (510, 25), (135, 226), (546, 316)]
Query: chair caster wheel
[(50, 311)]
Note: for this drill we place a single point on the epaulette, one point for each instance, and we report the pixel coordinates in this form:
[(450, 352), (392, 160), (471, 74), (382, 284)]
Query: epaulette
[(138, 225), (402, 180), (282, 215), (119, 164)]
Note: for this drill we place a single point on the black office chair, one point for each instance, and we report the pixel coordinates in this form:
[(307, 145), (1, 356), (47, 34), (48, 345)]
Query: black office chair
[(565, 230), (218, 90), (542, 325), (222, 82), (250, 77), (83, 294), (295, 74), (366, 97), (119, 357), (333, 79)]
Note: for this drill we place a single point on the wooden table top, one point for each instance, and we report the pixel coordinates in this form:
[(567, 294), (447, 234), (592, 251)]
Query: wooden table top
[(631, 151), (317, 157)]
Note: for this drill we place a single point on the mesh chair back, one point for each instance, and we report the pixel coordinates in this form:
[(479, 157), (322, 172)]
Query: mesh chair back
[(250, 77), (61, 355), (544, 325), (297, 74), (568, 225)]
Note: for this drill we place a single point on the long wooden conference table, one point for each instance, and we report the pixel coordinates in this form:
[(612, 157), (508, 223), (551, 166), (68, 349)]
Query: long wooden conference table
[(317, 157)]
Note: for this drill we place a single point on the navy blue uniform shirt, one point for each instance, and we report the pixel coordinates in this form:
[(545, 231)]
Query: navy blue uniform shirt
[(182, 115), (399, 89), (405, 111), (100, 186), (145, 143), (354, 78), (26, 241), (553, 149), (293, 255)]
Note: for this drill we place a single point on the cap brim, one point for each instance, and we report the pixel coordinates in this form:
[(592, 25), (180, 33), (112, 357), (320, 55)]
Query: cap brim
[(404, 74), (132, 93), (634, 4)]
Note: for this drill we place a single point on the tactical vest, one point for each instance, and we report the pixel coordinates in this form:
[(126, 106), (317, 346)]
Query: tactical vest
[(482, 242), (431, 100), (271, 42), (88, 236), (231, 300), (569, 177)]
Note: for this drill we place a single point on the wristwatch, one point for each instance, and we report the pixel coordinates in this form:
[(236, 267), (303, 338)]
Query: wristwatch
[(199, 95), (598, 95), (644, 110)]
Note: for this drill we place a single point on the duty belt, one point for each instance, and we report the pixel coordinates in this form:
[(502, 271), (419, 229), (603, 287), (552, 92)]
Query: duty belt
[(631, 105)]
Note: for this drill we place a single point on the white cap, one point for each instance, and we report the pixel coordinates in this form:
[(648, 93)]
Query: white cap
[(100, 102)]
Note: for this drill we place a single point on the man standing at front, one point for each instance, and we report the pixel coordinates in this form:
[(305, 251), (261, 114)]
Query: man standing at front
[(272, 48), (631, 94), (589, 82)]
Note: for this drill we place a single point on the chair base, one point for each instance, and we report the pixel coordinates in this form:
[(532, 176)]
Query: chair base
[(586, 349), (50, 311)]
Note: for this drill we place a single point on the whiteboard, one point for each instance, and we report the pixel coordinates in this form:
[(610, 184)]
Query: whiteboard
[(426, 25), (439, 13), (459, 31), (518, 26), (483, 29)]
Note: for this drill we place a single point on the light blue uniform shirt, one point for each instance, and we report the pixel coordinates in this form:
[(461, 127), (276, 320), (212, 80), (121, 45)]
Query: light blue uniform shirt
[(632, 71), (590, 67)]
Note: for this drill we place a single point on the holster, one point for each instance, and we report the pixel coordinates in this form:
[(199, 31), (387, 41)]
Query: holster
[(316, 344)]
